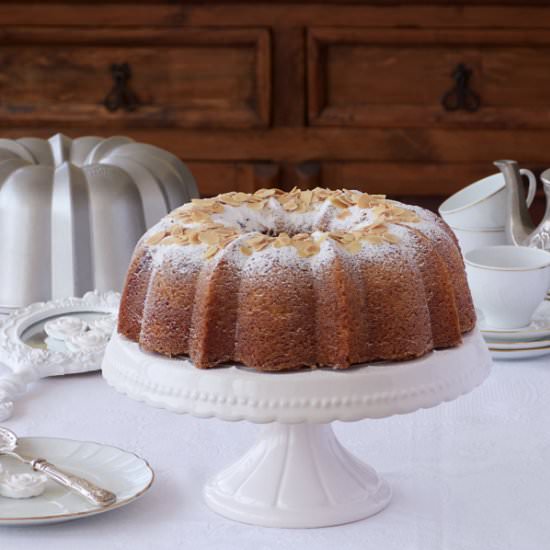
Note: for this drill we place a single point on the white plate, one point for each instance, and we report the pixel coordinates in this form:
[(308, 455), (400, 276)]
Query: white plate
[(524, 353), (517, 344), (122, 472), (537, 330)]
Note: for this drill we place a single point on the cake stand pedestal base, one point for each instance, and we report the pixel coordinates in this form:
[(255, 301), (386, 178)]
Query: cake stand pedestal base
[(297, 475)]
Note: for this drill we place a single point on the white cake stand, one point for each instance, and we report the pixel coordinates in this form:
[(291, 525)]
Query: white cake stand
[(297, 474)]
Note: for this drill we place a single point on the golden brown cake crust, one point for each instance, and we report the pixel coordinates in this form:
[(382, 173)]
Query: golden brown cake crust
[(280, 281)]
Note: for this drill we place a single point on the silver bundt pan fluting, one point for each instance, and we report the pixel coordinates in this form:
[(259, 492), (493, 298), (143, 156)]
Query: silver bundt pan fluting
[(72, 211)]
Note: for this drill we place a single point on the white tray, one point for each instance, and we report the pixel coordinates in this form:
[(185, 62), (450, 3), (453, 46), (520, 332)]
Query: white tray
[(297, 474), (28, 360)]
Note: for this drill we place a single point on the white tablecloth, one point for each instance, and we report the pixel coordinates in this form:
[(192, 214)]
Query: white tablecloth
[(473, 474)]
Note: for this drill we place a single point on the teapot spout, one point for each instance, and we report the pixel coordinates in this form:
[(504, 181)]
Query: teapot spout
[(519, 225)]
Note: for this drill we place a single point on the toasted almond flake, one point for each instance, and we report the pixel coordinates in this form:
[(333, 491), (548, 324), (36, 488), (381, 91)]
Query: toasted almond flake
[(210, 252), (366, 201), (290, 205), (246, 250), (200, 217), (308, 251), (343, 215), (176, 229), (156, 238), (209, 237), (345, 198), (241, 197), (374, 239), (320, 194), (260, 205), (282, 240), (336, 201), (353, 247), (306, 197), (173, 240), (194, 237), (265, 193), (257, 239), (260, 246), (393, 239), (227, 240)]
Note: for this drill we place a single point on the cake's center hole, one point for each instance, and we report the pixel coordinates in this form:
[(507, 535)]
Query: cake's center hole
[(273, 228), (275, 232)]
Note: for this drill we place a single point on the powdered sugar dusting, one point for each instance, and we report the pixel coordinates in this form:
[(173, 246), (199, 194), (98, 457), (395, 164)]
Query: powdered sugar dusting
[(273, 219)]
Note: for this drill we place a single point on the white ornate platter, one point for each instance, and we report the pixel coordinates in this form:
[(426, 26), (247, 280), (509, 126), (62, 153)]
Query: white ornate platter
[(25, 347), (122, 472), (297, 474)]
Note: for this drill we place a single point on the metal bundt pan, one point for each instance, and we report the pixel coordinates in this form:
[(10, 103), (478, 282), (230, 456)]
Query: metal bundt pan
[(71, 212)]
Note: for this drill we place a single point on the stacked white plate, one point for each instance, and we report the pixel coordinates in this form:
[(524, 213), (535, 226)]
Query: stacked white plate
[(521, 343)]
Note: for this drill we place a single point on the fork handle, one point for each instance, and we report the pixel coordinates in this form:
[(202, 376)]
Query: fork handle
[(96, 495)]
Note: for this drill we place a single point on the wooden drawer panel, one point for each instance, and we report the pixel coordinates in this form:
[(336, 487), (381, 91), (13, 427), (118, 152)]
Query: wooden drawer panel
[(183, 78), (403, 179), (360, 77)]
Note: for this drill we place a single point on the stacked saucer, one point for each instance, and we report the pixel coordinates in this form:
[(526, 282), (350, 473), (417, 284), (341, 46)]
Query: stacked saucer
[(521, 343)]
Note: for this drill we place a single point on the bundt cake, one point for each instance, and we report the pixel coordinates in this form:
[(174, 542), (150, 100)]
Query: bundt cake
[(315, 278)]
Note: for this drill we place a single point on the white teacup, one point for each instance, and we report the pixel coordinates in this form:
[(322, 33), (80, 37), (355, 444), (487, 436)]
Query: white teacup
[(478, 238), (508, 283), (482, 205)]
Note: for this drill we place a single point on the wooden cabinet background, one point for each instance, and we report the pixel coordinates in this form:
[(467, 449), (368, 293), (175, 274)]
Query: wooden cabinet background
[(252, 94)]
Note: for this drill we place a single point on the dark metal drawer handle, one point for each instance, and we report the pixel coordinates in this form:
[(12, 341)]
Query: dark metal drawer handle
[(461, 96), (121, 96)]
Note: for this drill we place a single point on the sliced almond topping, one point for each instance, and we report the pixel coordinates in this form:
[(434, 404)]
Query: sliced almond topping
[(265, 193), (259, 205), (156, 238), (173, 240), (200, 217), (374, 239), (343, 215), (353, 247), (338, 202), (390, 238), (306, 197), (210, 252), (260, 246), (209, 237), (246, 250), (282, 240), (257, 239), (308, 249), (290, 205), (194, 237)]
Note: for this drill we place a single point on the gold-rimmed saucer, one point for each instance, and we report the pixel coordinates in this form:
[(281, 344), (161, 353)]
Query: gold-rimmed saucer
[(539, 329), (519, 353), (517, 344), (122, 472)]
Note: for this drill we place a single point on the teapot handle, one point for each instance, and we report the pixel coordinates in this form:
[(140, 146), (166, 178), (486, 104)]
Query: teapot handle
[(532, 185)]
